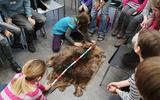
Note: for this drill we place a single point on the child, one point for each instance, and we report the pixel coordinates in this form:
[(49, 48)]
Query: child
[(96, 6), (146, 45), (148, 78), (64, 27), (25, 85)]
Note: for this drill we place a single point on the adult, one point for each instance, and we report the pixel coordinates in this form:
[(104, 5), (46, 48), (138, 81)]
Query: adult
[(21, 14)]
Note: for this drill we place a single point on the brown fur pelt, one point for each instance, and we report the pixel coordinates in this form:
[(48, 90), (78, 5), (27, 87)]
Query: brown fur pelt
[(81, 72)]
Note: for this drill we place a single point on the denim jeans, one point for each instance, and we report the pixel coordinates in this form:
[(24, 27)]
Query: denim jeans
[(103, 19)]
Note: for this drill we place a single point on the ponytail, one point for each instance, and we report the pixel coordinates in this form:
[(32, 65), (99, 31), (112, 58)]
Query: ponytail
[(20, 85)]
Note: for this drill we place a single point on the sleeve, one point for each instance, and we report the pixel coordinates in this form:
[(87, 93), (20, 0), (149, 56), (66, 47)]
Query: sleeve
[(40, 86), (146, 9), (88, 2), (141, 7), (85, 35), (3, 10), (123, 95), (28, 9), (67, 36)]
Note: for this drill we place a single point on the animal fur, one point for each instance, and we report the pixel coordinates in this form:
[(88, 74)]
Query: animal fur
[(80, 73)]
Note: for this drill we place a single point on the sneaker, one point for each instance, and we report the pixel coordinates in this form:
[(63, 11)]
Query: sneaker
[(90, 33), (15, 67), (120, 42), (119, 36), (114, 33), (31, 48), (100, 38)]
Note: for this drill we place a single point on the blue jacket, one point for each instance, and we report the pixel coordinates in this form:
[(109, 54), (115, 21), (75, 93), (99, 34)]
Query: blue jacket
[(12, 7)]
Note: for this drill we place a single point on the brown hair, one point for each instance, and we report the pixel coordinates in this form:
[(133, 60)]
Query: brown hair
[(148, 78), (31, 70), (83, 21), (149, 42)]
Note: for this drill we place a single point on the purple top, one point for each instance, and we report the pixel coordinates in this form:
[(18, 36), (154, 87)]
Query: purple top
[(86, 2)]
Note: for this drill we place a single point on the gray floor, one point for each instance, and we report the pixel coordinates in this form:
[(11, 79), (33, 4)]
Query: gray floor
[(93, 91)]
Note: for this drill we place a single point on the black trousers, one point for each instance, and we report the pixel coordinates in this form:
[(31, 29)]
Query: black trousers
[(6, 49), (22, 21)]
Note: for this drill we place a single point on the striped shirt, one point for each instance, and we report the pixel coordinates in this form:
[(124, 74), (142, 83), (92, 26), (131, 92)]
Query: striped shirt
[(8, 94), (133, 94)]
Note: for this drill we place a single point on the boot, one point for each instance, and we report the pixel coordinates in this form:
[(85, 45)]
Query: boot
[(31, 48), (8, 53), (15, 66)]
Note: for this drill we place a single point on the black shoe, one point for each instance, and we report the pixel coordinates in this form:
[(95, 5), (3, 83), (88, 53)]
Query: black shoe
[(114, 32), (15, 67), (17, 45), (31, 48)]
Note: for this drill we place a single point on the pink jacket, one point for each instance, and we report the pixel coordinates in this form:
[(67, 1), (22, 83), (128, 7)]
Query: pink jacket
[(140, 8), (8, 94)]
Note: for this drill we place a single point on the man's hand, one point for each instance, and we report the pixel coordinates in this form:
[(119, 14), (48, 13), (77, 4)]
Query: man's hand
[(78, 44), (7, 33), (32, 21), (9, 21)]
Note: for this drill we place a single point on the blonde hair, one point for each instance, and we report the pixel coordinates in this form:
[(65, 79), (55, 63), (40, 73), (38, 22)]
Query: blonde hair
[(32, 70)]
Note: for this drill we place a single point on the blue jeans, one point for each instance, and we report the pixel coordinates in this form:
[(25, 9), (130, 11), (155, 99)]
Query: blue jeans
[(103, 19)]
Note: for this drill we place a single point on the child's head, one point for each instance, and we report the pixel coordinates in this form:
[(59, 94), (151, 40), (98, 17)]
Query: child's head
[(148, 78), (148, 43), (83, 19), (32, 71)]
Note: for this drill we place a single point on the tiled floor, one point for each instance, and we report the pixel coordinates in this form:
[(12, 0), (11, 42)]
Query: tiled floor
[(93, 91)]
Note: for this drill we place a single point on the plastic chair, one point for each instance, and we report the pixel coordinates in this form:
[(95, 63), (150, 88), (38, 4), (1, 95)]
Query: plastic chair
[(119, 62)]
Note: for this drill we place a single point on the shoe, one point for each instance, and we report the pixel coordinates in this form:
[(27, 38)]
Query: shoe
[(15, 66), (119, 36), (31, 48), (100, 38), (114, 33), (120, 42), (17, 45), (90, 33)]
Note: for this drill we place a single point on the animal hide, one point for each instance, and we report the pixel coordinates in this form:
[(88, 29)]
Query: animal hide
[(81, 72)]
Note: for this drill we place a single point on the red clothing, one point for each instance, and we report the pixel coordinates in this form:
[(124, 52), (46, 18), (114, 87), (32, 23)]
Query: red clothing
[(140, 8)]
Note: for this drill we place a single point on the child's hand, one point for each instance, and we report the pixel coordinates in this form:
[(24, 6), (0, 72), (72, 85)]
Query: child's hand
[(96, 5), (112, 89), (115, 84), (47, 87), (78, 44), (94, 42)]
